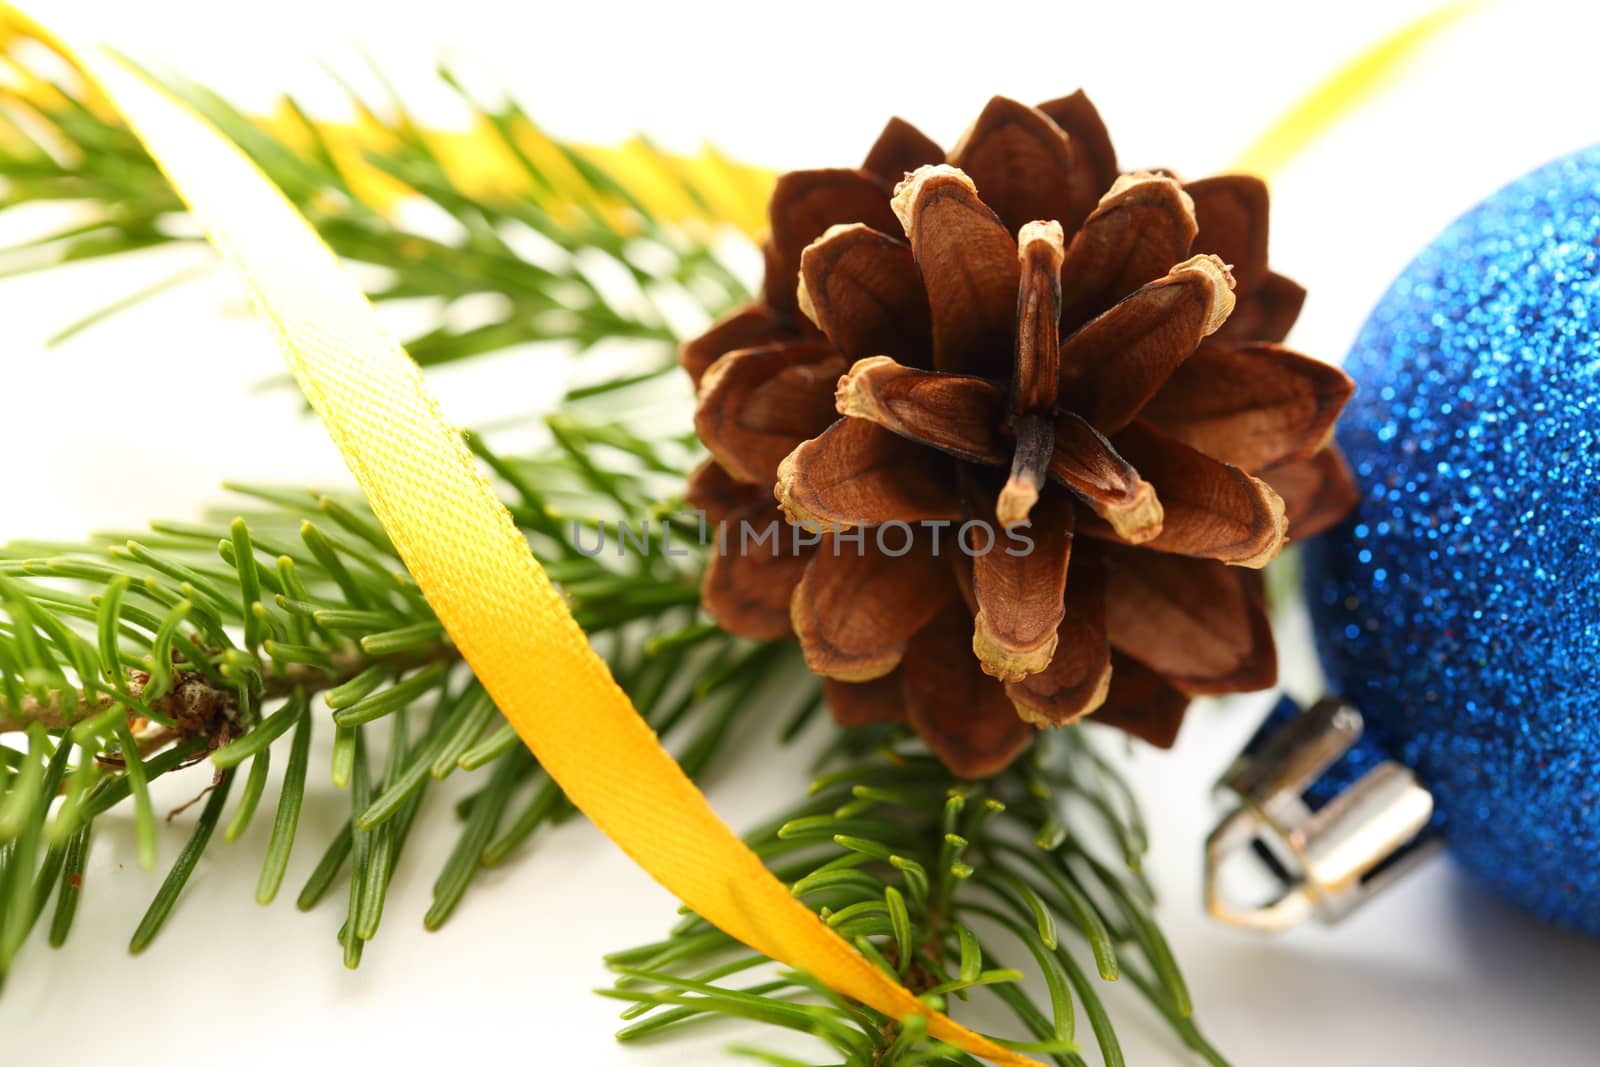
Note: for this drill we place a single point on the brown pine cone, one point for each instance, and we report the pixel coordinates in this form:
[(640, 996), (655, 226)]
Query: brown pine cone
[(1057, 355)]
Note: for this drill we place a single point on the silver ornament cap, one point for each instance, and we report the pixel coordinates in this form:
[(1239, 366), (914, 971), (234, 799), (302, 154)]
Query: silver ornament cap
[(1280, 856)]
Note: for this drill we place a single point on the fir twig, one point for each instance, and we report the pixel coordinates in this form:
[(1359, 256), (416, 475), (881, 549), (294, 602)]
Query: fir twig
[(128, 658), (569, 251), (930, 888)]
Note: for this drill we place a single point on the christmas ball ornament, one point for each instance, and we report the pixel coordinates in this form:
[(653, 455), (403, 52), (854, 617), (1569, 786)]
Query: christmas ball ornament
[(1014, 335), (1458, 609)]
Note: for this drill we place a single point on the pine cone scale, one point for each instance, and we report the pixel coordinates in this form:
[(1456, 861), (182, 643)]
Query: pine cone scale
[(757, 404), (722, 497), (1232, 210), (1026, 166), (900, 149), (749, 581), (1266, 314), (968, 263), (1020, 595), (1210, 509), (1141, 702), (1199, 624), (748, 591), (880, 700), (1081, 122), (1078, 678), (862, 289), (804, 204), (751, 326), (855, 473), (1117, 361), (962, 714), (1141, 228), (1251, 405), (1036, 369), (957, 415), (1316, 492), (857, 606)]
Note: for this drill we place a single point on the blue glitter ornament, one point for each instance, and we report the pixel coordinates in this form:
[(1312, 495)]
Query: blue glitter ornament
[(1459, 608)]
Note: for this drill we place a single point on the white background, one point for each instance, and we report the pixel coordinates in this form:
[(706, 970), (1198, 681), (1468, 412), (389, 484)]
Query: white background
[(142, 416)]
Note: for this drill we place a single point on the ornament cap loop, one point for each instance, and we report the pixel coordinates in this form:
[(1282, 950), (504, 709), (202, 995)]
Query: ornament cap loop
[(1322, 854)]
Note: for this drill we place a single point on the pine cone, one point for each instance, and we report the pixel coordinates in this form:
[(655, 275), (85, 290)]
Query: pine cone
[(1056, 351)]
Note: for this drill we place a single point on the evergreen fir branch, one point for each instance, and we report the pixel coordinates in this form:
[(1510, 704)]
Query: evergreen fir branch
[(234, 638), (933, 879), (581, 248), (237, 637)]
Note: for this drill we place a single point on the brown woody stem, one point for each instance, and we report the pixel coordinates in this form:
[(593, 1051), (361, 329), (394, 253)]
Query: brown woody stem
[(189, 689)]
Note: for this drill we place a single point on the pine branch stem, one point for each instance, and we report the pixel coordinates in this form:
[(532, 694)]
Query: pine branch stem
[(194, 698)]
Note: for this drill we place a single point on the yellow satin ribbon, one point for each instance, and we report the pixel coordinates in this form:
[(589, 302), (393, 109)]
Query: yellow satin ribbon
[(475, 567), (1343, 92)]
